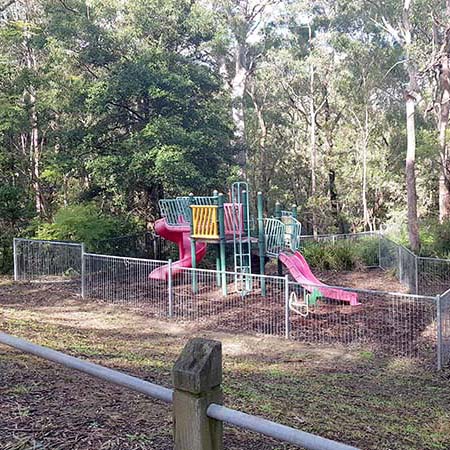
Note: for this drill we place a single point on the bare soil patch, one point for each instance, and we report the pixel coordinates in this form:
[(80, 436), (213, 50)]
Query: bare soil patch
[(348, 395)]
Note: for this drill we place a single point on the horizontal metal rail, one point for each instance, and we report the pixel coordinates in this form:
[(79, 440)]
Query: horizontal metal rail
[(218, 412), (362, 291), (113, 376), (360, 233), (273, 429), (127, 258), (41, 241)]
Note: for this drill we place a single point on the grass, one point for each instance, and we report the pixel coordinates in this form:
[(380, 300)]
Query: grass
[(349, 395)]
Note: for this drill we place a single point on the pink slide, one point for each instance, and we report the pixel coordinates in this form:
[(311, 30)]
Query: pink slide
[(181, 236), (299, 269)]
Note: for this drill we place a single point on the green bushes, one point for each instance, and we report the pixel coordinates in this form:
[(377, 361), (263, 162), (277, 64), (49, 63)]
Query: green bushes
[(84, 223), (434, 238), (341, 256), (6, 253), (16, 209)]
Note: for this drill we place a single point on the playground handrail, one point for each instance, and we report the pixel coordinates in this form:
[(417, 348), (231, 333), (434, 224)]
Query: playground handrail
[(214, 411)]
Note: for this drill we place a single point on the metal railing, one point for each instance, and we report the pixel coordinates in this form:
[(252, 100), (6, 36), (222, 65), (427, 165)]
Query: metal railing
[(214, 411)]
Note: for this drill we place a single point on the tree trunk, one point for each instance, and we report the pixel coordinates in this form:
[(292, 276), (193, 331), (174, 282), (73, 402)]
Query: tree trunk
[(35, 156), (312, 137), (410, 100), (444, 112), (34, 134), (238, 85), (264, 174), (366, 217), (413, 227)]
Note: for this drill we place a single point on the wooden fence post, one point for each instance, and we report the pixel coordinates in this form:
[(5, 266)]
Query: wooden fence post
[(197, 375)]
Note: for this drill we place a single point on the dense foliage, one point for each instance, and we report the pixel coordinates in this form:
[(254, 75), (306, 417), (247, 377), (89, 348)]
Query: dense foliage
[(110, 106)]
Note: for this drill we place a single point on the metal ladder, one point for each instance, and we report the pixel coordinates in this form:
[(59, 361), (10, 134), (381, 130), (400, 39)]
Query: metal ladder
[(241, 233)]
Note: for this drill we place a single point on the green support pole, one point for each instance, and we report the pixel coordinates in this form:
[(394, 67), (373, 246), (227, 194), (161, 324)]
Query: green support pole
[(245, 223), (296, 245), (261, 242), (294, 211), (222, 243), (247, 246), (218, 262), (277, 210), (193, 249), (278, 216)]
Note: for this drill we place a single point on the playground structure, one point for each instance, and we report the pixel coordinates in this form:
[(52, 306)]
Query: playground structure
[(194, 222)]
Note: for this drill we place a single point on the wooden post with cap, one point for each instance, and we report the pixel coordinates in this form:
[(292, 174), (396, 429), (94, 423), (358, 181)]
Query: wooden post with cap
[(197, 376)]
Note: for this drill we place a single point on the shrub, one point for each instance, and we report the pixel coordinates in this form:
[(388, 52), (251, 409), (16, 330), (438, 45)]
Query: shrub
[(367, 251), (6, 253), (84, 223), (329, 256), (16, 209)]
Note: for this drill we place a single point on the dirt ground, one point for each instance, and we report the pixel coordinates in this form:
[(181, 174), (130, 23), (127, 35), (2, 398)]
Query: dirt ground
[(373, 279), (347, 395)]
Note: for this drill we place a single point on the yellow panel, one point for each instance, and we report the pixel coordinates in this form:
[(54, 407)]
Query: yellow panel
[(204, 222)]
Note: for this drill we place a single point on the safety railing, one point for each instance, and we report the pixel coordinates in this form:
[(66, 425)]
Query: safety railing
[(198, 414), (204, 222), (175, 211), (203, 201), (274, 231), (233, 218), (293, 232)]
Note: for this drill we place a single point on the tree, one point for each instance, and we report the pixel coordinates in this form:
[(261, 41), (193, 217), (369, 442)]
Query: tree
[(240, 43)]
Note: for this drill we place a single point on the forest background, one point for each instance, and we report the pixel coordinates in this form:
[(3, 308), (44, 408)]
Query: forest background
[(339, 106)]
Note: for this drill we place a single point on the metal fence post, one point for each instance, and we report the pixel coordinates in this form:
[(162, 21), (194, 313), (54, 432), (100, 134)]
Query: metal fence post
[(438, 332), (287, 324), (416, 269), (379, 250), (169, 287), (197, 375), (83, 272), (16, 268), (399, 256)]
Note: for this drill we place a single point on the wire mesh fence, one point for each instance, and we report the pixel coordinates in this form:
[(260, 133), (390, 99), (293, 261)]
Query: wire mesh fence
[(239, 309), (125, 281), (47, 261), (137, 245), (433, 275), (401, 261), (388, 323), (364, 244), (444, 329)]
